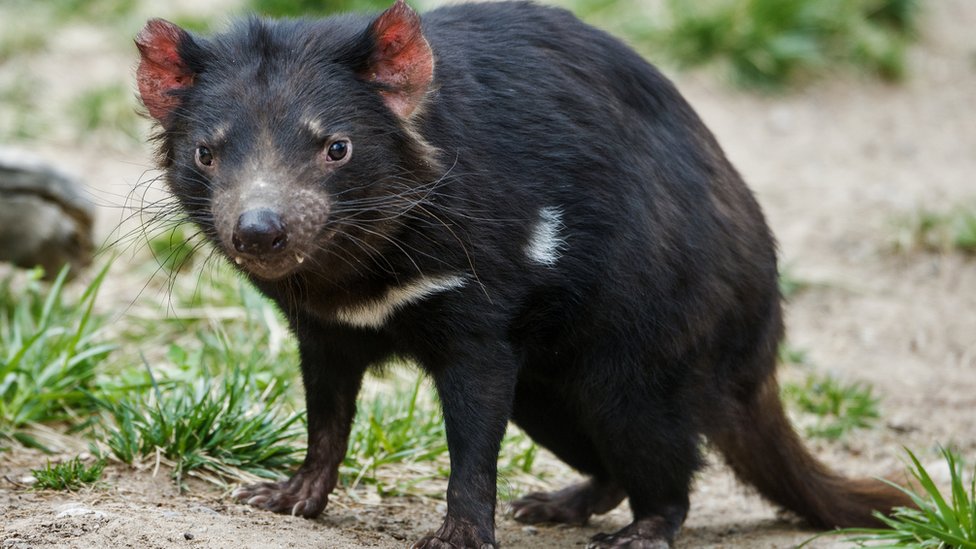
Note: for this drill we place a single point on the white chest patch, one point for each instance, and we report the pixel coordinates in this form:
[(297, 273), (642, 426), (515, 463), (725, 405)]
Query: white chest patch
[(546, 243), (375, 313)]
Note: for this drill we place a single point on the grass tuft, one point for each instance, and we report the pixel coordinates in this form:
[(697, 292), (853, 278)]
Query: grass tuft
[(836, 408), (49, 353), (213, 425), (941, 520), (945, 232), (68, 475)]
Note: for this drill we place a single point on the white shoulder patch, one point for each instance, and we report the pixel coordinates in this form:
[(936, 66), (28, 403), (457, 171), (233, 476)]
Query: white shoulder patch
[(375, 313), (546, 243)]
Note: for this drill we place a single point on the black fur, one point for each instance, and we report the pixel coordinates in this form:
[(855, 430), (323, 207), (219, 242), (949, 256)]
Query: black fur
[(657, 324)]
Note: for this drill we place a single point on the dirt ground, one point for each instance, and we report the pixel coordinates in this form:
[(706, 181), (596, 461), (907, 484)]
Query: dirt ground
[(832, 166)]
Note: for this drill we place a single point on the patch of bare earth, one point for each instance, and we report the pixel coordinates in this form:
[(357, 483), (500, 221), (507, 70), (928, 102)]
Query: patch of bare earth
[(831, 165)]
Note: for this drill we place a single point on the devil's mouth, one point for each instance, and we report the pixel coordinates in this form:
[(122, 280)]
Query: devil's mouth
[(270, 268)]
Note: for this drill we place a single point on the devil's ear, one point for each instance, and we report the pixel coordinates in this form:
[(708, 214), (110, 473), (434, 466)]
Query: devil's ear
[(162, 70), (401, 59)]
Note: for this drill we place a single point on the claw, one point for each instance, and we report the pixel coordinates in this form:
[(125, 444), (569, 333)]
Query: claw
[(299, 496)]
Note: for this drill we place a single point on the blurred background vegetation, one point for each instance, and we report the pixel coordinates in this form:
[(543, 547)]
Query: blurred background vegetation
[(770, 44)]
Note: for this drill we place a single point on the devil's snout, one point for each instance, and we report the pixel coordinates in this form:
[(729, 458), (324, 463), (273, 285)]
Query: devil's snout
[(260, 232)]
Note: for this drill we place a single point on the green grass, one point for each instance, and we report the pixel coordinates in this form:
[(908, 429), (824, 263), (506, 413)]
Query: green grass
[(832, 408), (211, 376), (943, 232), (50, 350), (67, 475), (220, 426), (204, 415), (942, 520)]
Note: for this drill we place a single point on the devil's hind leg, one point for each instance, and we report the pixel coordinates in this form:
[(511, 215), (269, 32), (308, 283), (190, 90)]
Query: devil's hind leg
[(552, 424), (644, 428)]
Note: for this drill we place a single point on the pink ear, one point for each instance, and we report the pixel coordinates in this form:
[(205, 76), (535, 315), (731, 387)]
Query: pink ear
[(161, 70), (401, 59)]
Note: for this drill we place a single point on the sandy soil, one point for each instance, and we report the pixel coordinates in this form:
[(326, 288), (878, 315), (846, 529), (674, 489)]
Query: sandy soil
[(831, 165)]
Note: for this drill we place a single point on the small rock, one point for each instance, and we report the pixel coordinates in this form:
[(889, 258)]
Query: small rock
[(27, 480), (531, 530), (73, 510), (188, 536), (204, 509), (902, 424)]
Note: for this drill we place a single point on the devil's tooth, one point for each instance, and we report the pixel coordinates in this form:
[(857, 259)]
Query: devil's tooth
[(299, 258), (238, 260)]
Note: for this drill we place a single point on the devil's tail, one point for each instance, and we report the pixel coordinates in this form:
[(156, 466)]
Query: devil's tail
[(763, 449)]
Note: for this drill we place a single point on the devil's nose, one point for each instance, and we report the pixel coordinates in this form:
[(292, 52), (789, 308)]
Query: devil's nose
[(260, 232)]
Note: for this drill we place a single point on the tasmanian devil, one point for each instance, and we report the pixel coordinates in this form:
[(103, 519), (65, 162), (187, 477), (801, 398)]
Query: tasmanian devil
[(526, 209)]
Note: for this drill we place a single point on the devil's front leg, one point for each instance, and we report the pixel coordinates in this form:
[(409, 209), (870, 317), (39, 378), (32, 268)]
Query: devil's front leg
[(476, 389), (333, 365)]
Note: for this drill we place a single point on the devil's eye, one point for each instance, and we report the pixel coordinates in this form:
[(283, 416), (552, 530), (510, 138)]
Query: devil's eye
[(338, 150), (204, 156)]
